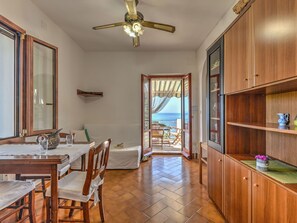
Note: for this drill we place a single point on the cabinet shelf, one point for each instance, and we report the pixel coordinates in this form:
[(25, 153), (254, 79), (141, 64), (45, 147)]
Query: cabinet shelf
[(271, 127), (89, 93)]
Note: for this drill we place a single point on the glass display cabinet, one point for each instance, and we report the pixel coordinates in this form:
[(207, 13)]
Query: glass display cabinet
[(215, 111)]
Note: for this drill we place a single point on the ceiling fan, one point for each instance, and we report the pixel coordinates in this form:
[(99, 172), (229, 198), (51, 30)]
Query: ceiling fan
[(134, 23)]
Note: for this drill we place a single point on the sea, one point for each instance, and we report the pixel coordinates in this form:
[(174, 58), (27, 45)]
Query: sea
[(168, 119)]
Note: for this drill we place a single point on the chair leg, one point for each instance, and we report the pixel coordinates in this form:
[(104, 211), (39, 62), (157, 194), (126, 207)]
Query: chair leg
[(101, 210), (32, 207), (43, 187), (20, 203), (71, 210), (48, 209), (86, 212)]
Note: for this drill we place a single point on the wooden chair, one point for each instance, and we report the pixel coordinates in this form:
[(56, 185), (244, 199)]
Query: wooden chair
[(203, 146), (14, 192), (81, 186), (177, 135), (158, 136)]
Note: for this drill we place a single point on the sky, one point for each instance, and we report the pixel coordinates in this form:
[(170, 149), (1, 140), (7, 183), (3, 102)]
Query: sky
[(173, 106)]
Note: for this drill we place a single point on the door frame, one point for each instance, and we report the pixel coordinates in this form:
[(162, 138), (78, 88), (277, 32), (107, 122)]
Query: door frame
[(186, 154), (171, 76)]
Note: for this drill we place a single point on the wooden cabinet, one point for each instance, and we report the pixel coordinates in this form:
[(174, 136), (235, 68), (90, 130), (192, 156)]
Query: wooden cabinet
[(249, 196), (215, 176), (269, 200), (275, 25), (238, 55), (261, 47), (237, 184)]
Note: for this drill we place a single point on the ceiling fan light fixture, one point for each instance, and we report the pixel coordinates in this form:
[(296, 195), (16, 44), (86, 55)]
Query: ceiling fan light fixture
[(137, 28), (133, 30), (128, 29)]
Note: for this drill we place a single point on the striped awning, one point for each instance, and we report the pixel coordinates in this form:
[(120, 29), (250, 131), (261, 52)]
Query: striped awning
[(166, 88)]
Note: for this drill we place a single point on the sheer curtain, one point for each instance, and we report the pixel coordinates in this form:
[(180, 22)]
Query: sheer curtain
[(162, 91)]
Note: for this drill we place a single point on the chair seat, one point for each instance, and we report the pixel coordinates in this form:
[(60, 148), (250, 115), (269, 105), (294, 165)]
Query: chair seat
[(71, 187), (12, 191)]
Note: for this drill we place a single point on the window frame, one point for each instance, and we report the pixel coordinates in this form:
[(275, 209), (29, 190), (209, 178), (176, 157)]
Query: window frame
[(19, 77), (29, 86)]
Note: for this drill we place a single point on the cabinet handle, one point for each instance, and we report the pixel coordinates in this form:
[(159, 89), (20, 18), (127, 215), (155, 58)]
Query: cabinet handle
[(246, 79), (256, 185), (245, 178), (257, 75), (220, 160)]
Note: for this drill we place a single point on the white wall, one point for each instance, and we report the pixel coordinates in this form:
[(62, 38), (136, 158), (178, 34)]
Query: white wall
[(118, 75), (71, 64), (201, 57)]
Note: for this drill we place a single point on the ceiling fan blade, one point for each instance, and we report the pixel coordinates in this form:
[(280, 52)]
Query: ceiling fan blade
[(131, 8), (109, 25), (136, 41), (160, 26)]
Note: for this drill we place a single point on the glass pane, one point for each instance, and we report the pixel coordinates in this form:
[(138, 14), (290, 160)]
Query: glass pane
[(146, 113), (7, 86), (146, 104), (186, 114), (214, 100), (43, 87)]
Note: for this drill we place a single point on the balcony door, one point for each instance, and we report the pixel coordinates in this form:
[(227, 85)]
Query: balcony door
[(186, 117), (146, 140), (146, 113)]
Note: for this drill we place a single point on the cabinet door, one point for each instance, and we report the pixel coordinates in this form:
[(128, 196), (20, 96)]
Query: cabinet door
[(237, 197), (275, 23), (215, 176), (238, 55), (269, 201), (215, 100), (291, 207)]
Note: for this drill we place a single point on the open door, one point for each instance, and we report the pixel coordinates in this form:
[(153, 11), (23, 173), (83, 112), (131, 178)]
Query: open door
[(146, 115), (187, 116)]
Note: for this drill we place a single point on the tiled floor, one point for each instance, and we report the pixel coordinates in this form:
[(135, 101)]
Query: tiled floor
[(167, 149), (164, 189)]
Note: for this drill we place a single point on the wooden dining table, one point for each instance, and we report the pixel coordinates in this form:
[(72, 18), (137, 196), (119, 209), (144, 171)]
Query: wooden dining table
[(26, 159)]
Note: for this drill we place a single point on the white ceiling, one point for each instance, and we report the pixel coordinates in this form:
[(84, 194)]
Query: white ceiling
[(193, 19)]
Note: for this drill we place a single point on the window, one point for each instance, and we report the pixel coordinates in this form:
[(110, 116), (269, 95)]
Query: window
[(9, 82), (41, 79)]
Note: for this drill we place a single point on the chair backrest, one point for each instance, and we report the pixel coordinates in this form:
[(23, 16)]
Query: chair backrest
[(97, 162)]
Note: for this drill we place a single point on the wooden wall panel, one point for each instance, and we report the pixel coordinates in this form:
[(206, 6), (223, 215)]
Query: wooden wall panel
[(245, 141), (281, 103), (247, 108), (282, 147)]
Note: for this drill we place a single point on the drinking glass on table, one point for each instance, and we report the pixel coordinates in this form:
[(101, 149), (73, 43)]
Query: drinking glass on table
[(69, 140), (43, 142)]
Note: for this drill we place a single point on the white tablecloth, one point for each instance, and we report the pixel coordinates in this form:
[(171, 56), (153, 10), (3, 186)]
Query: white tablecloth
[(74, 152)]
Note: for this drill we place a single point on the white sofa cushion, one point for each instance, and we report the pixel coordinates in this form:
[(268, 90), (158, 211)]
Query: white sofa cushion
[(124, 158)]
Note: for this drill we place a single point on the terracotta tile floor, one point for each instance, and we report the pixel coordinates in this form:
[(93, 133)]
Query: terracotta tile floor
[(163, 189)]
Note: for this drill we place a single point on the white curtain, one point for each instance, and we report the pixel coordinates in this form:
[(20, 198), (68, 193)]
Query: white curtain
[(159, 103), (162, 91)]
